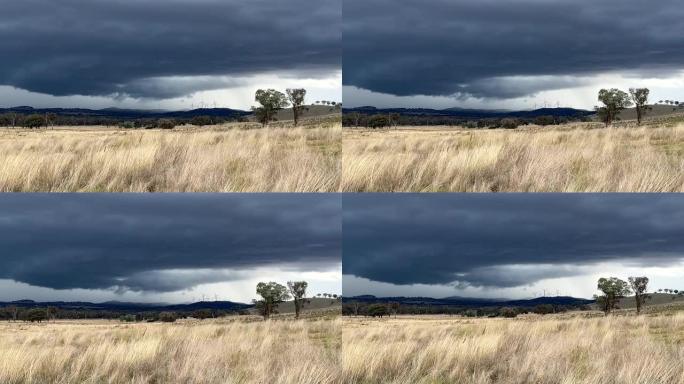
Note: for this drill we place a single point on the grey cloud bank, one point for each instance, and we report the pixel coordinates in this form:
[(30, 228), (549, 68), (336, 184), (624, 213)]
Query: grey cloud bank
[(504, 241), (496, 49), (140, 48), (163, 242)]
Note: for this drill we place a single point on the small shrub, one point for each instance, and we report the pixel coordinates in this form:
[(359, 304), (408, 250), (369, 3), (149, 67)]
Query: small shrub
[(127, 318), (470, 313), (377, 310), (508, 312), (34, 121), (509, 123), (543, 309), (167, 317), (36, 314), (378, 121), (201, 121), (166, 124)]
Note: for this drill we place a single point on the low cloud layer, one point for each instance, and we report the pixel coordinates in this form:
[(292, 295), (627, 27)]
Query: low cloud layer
[(505, 241), (162, 49), (501, 50), (163, 242)]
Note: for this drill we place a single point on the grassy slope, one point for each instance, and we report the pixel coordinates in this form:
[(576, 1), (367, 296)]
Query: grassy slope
[(227, 350), (580, 157), (225, 158), (311, 111), (657, 299), (655, 111), (567, 349), (314, 305)]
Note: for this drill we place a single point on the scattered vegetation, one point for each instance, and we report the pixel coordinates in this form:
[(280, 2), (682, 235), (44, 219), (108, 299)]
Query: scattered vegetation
[(237, 157), (227, 350), (564, 158), (567, 348), (271, 101)]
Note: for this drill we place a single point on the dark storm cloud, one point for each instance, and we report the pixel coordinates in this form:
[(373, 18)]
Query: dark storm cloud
[(162, 242), (107, 48), (469, 47), (505, 240)]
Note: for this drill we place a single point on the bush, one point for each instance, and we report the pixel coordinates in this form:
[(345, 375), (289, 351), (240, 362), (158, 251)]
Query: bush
[(167, 317), (377, 310), (544, 120), (201, 121), (34, 121), (508, 312), (127, 125), (470, 313), (127, 318), (378, 121), (543, 309), (36, 314), (509, 123), (202, 314), (166, 124)]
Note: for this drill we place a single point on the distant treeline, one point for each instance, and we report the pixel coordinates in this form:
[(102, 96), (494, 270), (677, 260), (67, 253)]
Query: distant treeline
[(613, 102), (39, 314), (379, 120), (20, 120), (357, 308)]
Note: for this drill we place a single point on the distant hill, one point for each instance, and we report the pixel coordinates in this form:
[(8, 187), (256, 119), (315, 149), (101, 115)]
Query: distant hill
[(658, 110), (116, 113), (314, 303), (134, 114), (310, 111), (472, 302), (656, 299), (130, 307), (472, 113)]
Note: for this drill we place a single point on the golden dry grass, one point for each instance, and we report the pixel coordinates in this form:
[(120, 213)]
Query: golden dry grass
[(549, 350), (575, 158), (212, 351), (218, 159)]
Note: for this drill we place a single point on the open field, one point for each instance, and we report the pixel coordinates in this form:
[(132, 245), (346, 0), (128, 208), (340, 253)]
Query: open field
[(582, 157), (227, 158), (563, 349), (227, 350)]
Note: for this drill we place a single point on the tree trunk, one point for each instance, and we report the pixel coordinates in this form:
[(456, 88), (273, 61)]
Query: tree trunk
[(296, 301)]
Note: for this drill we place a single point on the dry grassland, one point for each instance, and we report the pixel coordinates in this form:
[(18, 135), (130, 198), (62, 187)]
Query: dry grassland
[(211, 351), (541, 350), (228, 158), (570, 158)]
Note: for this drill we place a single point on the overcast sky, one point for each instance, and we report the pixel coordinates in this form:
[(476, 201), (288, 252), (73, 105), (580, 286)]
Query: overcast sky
[(166, 247), (509, 54), (169, 54), (508, 245)]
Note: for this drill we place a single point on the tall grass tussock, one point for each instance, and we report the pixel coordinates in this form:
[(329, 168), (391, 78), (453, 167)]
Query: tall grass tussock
[(188, 351), (548, 350), (227, 158), (574, 158)]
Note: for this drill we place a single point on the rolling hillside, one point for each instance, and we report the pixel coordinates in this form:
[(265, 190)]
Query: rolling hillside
[(656, 299), (122, 114), (129, 307), (472, 113), (466, 302), (313, 304), (659, 110), (310, 111)]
